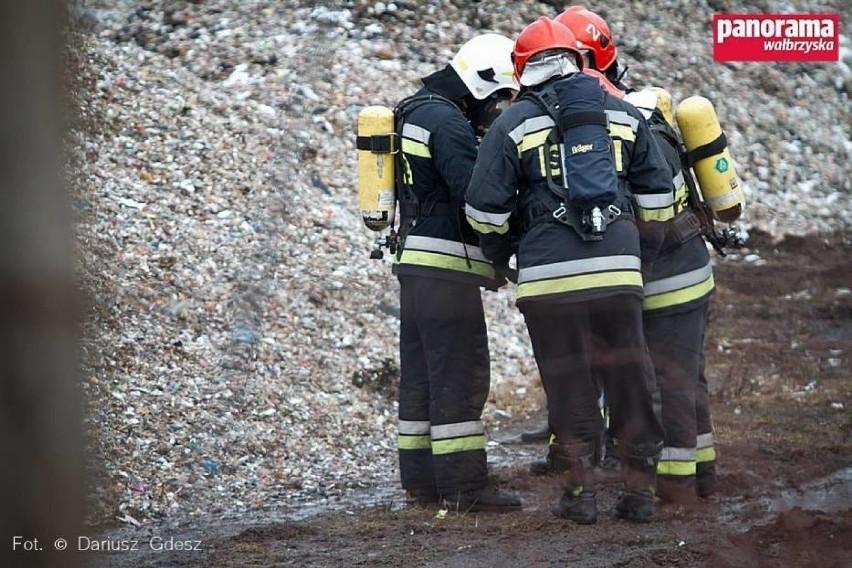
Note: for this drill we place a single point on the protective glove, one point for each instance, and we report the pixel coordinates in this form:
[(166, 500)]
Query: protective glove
[(496, 248), (507, 272)]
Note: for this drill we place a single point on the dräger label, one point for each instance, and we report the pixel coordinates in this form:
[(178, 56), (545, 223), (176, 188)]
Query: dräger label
[(581, 148), (776, 37)]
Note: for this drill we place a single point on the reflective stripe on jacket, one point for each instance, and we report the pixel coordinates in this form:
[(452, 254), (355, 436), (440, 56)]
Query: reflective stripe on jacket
[(681, 276), (553, 260), (438, 153)]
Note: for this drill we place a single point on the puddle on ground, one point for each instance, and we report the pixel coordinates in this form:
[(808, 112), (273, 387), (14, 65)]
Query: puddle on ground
[(830, 494)]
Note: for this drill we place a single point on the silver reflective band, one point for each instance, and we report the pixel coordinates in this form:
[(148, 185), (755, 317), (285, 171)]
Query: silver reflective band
[(621, 117), (655, 201), (705, 440), (678, 454), (496, 219), (414, 427), (581, 266), (678, 180), (530, 125), (454, 248), (457, 430), (684, 280), (416, 133)]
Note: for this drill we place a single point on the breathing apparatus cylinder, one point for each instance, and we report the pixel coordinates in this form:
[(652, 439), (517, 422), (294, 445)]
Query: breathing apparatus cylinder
[(377, 144), (703, 138)]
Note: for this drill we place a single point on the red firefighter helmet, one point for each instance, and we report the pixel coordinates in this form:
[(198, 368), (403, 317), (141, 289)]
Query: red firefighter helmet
[(542, 35), (592, 33)]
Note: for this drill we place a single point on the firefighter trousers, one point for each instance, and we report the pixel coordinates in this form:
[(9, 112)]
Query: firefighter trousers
[(444, 382), (676, 343), (577, 343)]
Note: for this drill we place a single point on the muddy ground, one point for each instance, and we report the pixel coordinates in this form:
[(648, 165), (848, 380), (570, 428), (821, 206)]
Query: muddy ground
[(779, 358)]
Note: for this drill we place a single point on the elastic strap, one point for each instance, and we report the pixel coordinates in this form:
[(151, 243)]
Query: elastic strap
[(576, 119), (377, 144), (710, 149)]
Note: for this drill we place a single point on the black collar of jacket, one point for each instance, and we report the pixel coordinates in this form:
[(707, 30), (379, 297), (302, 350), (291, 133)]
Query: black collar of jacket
[(447, 83)]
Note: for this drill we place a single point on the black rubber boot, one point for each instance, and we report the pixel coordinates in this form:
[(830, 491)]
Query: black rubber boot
[(636, 507), (575, 462), (486, 499), (577, 504), (639, 472), (540, 435), (705, 479)]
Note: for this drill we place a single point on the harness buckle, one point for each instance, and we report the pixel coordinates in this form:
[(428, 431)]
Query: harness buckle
[(560, 212), (614, 211)]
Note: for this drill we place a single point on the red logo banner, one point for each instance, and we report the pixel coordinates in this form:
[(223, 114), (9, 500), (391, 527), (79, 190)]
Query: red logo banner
[(776, 37)]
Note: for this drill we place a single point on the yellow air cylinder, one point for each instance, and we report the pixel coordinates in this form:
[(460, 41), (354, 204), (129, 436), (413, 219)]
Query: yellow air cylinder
[(717, 178), (376, 144)]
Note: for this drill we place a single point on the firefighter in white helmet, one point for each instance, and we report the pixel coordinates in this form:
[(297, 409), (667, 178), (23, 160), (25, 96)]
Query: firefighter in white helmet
[(444, 359)]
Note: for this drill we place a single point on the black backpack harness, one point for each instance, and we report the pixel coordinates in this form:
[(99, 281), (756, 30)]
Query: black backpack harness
[(554, 204)]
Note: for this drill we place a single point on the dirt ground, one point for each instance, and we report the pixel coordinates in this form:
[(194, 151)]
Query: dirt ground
[(779, 358)]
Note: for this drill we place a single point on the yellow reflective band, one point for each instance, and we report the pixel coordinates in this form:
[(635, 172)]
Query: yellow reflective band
[(438, 260), (677, 297), (486, 228), (621, 131), (663, 214), (407, 174), (581, 282), (619, 159), (533, 140), (705, 455), (681, 197), (415, 148), (466, 444), (413, 442), (542, 164), (676, 468)]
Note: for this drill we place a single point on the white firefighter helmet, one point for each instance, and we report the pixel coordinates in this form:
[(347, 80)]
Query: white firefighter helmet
[(484, 64)]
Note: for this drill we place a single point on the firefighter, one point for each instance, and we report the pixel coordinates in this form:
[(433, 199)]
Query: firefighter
[(444, 360), (579, 280), (677, 294)]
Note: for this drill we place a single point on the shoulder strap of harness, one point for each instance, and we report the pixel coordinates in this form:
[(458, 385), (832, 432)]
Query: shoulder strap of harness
[(557, 201), (411, 209)]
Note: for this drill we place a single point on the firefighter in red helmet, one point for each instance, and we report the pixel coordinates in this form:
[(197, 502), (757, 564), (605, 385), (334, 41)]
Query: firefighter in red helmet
[(677, 293), (547, 164)]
